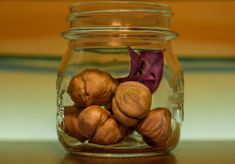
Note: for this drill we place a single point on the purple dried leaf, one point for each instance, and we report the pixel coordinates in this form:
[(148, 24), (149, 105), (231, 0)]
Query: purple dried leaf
[(146, 68), (135, 61)]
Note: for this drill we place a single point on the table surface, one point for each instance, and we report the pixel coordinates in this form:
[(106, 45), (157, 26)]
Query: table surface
[(195, 152)]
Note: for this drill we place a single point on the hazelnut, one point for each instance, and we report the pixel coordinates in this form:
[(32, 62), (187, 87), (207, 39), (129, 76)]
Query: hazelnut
[(71, 114), (131, 102), (90, 118), (156, 127), (92, 87), (110, 132)]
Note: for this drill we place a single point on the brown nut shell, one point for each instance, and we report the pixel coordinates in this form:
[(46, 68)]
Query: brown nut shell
[(70, 123), (90, 118), (110, 132), (132, 101), (125, 120), (156, 127), (92, 87)]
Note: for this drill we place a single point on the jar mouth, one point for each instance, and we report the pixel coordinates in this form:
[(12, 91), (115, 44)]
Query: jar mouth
[(97, 17), (119, 6)]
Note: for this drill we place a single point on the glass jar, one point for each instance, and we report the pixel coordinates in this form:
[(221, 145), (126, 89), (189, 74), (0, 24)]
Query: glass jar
[(119, 85)]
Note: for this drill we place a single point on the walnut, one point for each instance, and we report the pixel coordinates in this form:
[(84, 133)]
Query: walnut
[(131, 102), (100, 127), (90, 118), (156, 127), (92, 87), (70, 123), (110, 132)]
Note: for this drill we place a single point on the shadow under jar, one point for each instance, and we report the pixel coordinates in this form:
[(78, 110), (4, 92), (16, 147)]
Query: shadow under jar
[(119, 85)]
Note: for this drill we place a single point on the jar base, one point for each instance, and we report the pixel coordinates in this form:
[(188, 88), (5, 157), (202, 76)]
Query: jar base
[(131, 147), (116, 152), (111, 154)]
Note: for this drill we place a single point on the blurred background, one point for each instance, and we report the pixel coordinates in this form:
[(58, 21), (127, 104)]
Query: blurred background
[(31, 48)]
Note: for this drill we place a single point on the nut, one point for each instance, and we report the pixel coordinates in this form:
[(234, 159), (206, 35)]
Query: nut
[(92, 87), (71, 114), (110, 132), (131, 102), (90, 118), (156, 127), (125, 120)]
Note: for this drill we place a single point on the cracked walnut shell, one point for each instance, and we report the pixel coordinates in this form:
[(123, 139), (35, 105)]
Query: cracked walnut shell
[(92, 87), (156, 127), (131, 102)]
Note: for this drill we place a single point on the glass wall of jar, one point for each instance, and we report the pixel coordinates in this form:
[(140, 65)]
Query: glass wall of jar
[(119, 85)]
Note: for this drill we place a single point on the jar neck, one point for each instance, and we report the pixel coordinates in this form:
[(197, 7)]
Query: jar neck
[(121, 20)]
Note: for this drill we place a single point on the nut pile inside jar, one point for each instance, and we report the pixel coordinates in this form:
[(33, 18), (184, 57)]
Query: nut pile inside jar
[(105, 111)]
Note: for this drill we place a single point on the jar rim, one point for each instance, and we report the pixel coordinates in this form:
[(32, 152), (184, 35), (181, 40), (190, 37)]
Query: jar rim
[(155, 7), (120, 1), (84, 15)]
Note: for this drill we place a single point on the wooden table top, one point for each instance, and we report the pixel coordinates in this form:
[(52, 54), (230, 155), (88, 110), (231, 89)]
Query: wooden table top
[(200, 152)]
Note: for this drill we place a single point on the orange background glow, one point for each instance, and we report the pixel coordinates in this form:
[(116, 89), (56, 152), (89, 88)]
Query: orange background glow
[(34, 27)]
